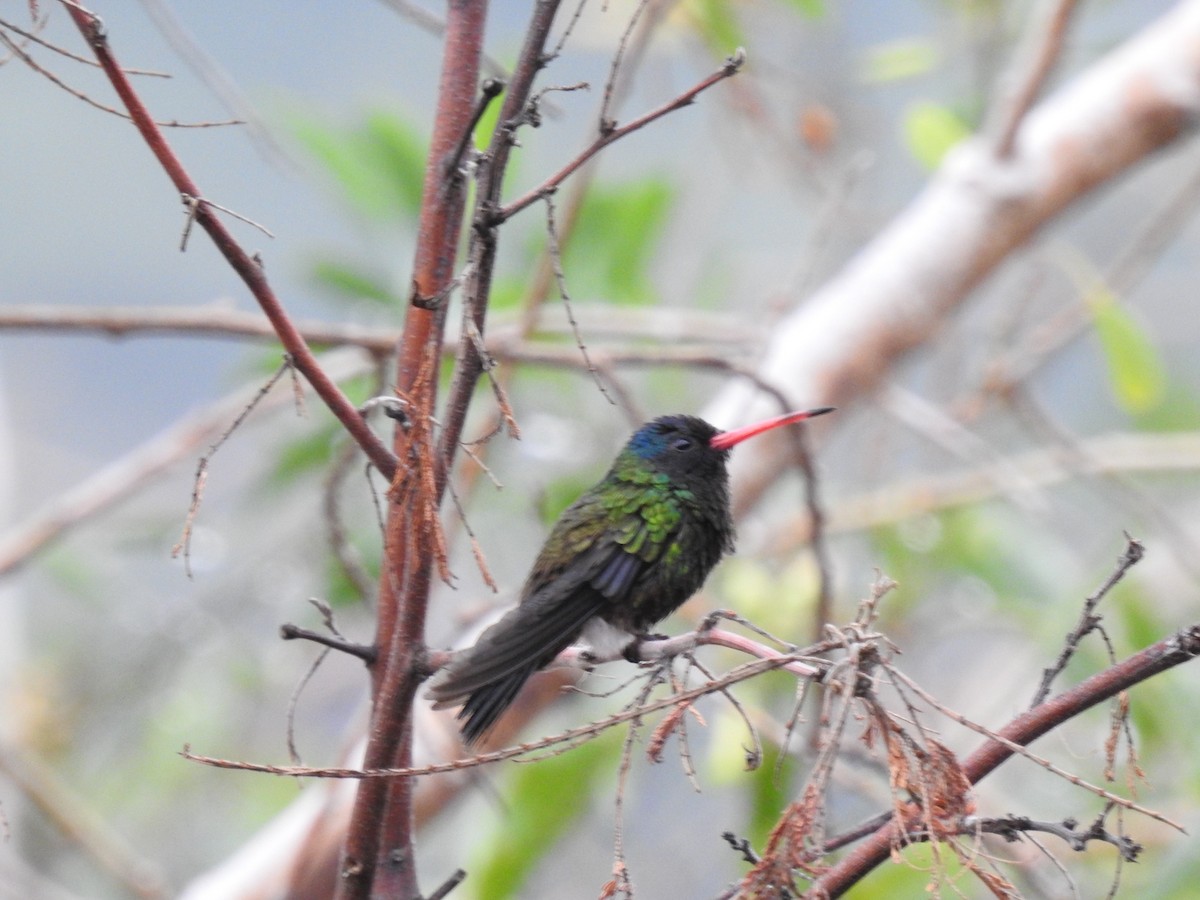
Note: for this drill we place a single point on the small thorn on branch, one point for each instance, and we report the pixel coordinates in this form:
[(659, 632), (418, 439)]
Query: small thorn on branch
[(289, 632)]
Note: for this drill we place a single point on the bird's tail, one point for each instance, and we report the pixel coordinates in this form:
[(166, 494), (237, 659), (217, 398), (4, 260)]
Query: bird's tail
[(486, 704)]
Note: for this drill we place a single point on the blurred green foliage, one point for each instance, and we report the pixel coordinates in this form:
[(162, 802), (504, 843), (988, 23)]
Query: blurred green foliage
[(931, 130), (378, 165), (541, 803)]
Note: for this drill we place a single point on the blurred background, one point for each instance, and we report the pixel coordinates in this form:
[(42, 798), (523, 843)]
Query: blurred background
[(700, 231)]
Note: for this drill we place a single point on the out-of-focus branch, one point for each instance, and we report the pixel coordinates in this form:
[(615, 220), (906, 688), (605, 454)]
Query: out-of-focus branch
[(896, 293), (660, 333), (1043, 46), (81, 825), (1043, 467), (138, 468)]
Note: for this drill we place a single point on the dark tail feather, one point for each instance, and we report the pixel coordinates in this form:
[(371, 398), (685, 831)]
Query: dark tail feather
[(486, 704)]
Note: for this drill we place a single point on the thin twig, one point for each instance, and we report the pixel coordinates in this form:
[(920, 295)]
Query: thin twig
[(218, 81), (62, 51), (457, 878), (606, 123), (741, 845), (1088, 620), (294, 701), (192, 206), (1021, 750), (139, 468), (562, 40), (488, 91), (731, 67), (552, 249), (622, 884), (184, 544), (586, 732), (75, 92), (289, 632)]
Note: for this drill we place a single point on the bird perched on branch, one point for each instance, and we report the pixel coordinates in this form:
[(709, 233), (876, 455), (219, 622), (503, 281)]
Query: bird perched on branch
[(624, 555)]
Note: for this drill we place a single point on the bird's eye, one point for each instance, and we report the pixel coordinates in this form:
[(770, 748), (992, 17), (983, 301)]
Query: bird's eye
[(681, 443)]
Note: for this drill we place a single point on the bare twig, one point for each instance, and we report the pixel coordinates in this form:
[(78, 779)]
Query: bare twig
[(555, 256), (62, 51), (622, 886), (1088, 620), (1018, 748), (1179, 648), (488, 91), (289, 632), (443, 890), (606, 123), (585, 732), (215, 78), (741, 845), (294, 702), (732, 65), (75, 92), (192, 206), (184, 544), (348, 558)]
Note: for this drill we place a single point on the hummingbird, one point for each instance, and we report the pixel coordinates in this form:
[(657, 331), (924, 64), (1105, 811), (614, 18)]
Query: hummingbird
[(624, 555)]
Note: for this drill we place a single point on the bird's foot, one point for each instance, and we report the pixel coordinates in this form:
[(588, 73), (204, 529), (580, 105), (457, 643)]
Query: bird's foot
[(633, 650)]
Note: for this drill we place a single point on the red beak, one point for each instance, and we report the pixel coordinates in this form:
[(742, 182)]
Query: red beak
[(727, 439)]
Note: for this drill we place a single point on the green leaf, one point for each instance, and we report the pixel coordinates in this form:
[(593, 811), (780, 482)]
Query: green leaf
[(930, 130), (718, 25), (348, 281), (486, 126), (897, 60), (610, 249), (1135, 371), (771, 790), (813, 9), (542, 802), (378, 165), (508, 292), (307, 454), (400, 155)]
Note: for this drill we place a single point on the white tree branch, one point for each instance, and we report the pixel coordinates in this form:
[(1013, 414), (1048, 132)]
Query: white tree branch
[(895, 294)]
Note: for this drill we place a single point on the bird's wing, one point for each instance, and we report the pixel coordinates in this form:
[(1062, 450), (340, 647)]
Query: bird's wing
[(585, 566), (548, 620), (596, 553)]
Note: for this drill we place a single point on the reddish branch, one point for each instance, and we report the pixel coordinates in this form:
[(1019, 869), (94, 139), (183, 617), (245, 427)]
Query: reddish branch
[(378, 858), (1026, 728), (246, 267), (470, 362)]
